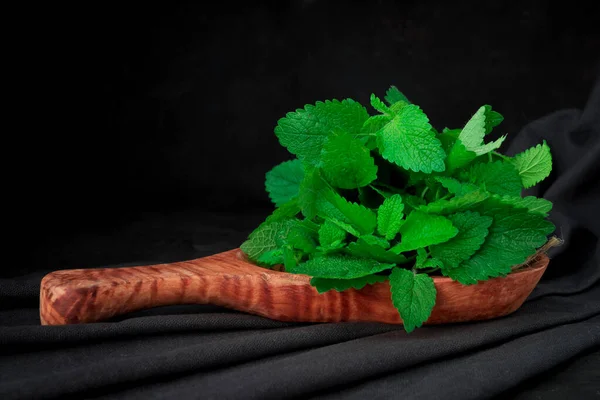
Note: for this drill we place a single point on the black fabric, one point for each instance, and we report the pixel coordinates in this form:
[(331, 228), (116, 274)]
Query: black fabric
[(549, 348)]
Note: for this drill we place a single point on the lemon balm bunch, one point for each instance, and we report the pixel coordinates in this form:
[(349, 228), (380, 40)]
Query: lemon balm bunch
[(387, 197)]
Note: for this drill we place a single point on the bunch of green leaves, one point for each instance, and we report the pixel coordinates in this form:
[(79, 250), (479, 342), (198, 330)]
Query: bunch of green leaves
[(387, 197)]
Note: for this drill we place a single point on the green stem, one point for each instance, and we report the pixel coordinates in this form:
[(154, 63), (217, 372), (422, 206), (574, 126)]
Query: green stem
[(328, 184), (364, 134), (424, 191), (500, 155), (379, 192), (389, 187)]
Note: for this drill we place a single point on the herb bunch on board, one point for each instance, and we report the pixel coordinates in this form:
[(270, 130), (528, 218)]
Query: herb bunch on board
[(371, 198)]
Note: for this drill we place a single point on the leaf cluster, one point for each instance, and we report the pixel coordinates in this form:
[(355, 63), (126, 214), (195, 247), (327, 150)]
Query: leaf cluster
[(387, 197)]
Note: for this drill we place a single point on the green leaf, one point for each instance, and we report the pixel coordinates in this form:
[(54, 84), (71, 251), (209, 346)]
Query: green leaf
[(497, 177), (309, 192), (413, 295), (398, 106), (289, 258), (283, 181), (324, 251), (323, 285), (514, 235), (376, 241), (473, 133), (379, 105), (421, 230), (331, 235), (360, 217), (458, 157), (266, 237), (424, 261), (393, 95), (328, 211), (303, 132), (472, 231), (452, 132), (374, 124), (422, 257), (433, 263), (532, 203), (362, 249), (271, 258), (492, 119), (301, 238), (454, 186), (409, 142), (337, 266), (534, 165), (346, 163), (285, 211), (344, 226), (389, 217), (458, 203), (309, 225), (491, 146), (448, 137)]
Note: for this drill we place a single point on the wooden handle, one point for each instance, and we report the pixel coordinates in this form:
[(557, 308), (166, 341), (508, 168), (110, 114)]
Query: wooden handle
[(228, 279)]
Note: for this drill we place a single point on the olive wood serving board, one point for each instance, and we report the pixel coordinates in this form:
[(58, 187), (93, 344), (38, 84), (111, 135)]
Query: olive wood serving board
[(228, 279)]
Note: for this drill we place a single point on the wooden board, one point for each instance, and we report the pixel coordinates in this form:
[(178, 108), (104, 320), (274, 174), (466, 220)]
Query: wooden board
[(228, 279)]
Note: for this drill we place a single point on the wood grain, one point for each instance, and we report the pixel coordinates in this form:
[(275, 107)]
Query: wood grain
[(228, 279)]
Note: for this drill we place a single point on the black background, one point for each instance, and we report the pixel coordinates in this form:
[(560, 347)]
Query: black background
[(143, 133), (161, 107)]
